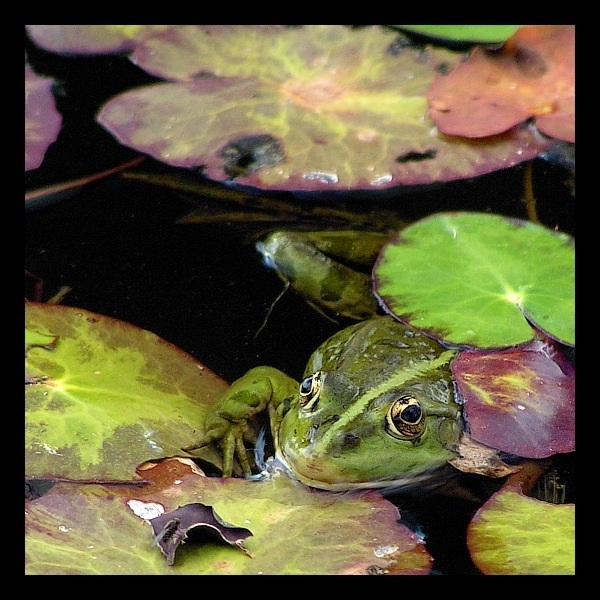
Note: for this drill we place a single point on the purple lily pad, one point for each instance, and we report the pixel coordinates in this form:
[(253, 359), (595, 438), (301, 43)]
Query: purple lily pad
[(42, 120), (90, 39), (519, 400)]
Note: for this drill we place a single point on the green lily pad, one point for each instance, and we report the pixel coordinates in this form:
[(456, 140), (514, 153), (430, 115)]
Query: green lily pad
[(92, 529), (107, 396), (314, 108), (490, 34), (475, 279), (512, 534)]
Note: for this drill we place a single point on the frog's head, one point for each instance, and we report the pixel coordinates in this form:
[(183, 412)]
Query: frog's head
[(338, 435)]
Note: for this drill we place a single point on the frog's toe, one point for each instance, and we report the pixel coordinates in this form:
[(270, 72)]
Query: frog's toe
[(233, 449), (209, 437)]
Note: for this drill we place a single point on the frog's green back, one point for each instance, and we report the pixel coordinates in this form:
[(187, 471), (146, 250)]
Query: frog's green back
[(378, 349)]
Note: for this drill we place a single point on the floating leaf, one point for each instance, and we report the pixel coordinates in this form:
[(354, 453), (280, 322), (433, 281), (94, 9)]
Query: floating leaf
[(91, 529), (518, 400), (512, 534), (90, 39), (42, 120), (172, 528), (33, 338), (533, 75), (475, 279), (465, 33), (320, 107), (109, 396)]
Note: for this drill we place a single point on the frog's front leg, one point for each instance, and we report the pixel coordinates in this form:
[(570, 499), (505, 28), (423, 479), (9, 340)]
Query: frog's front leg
[(260, 389), (318, 265)]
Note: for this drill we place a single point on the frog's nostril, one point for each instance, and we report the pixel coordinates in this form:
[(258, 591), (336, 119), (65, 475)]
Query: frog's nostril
[(350, 440)]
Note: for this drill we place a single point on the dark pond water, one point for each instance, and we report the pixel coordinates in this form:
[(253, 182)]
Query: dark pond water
[(116, 244)]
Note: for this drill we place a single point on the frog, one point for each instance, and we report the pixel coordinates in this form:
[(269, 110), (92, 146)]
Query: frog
[(376, 406)]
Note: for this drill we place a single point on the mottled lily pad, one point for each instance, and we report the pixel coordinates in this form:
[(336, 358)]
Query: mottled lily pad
[(91, 529), (107, 396), (475, 279), (42, 120), (519, 400), (315, 108), (512, 534), (533, 75)]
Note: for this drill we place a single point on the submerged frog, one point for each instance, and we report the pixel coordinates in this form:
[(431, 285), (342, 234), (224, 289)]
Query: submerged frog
[(376, 407)]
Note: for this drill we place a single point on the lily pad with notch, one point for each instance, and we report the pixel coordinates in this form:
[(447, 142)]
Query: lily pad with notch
[(480, 280)]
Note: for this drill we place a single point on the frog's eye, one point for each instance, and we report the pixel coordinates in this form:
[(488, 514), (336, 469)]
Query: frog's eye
[(310, 388), (405, 419)]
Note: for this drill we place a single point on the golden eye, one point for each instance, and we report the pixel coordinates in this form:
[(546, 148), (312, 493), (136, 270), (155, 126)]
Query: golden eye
[(405, 419), (310, 388)]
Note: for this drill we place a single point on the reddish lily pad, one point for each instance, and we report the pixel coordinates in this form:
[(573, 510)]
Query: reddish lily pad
[(107, 396), (90, 39), (42, 120), (315, 108), (533, 75), (91, 529), (512, 534), (519, 400)]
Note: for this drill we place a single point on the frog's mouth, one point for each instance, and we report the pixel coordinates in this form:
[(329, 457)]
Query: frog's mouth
[(313, 475)]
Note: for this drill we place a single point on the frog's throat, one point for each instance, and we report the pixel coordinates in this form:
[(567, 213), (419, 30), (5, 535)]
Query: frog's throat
[(429, 479), (418, 369)]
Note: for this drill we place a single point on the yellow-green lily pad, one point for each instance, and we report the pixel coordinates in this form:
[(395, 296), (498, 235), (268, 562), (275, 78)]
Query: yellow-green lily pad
[(478, 280), (107, 396), (513, 534), (96, 529), (312, 108)]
